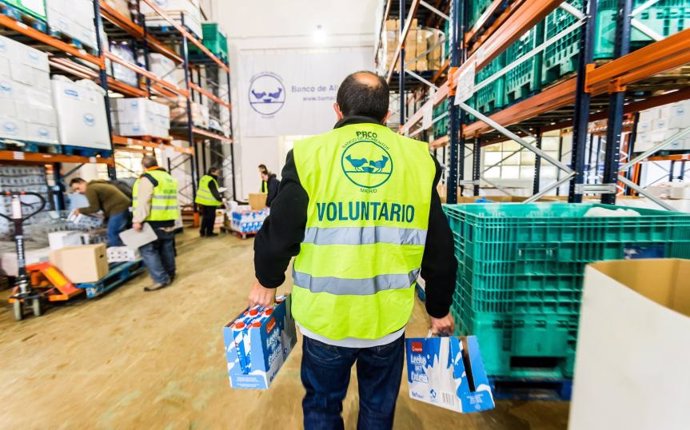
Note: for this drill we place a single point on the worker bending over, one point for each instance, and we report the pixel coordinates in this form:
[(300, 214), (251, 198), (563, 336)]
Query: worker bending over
[(155, 203), (106, 197), (208, 198), (358, 208)]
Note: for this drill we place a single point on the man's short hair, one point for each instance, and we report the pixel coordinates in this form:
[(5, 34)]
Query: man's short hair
[(149, 161), (213, 169), (364, 94), (76, 181)]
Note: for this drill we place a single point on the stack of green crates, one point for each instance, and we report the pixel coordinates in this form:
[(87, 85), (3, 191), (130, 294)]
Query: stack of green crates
[(520, 274), (560, 58), (476, 9), (491, 97), (524, 79), (34, 9), (214, 39), (440, 127)]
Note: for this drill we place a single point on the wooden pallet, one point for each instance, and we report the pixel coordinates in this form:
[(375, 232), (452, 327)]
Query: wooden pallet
[(27, 146), (119, 274), (24, 17), (531, 389), (86, 152)]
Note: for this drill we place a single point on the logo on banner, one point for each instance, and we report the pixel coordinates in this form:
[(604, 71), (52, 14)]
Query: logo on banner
[(367, 164), (266, 93)]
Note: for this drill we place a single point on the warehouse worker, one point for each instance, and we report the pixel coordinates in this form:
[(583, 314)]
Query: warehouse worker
[(358, 208), (106, 197), (208, 198), (155, 203), (263, 170), (272, 185)]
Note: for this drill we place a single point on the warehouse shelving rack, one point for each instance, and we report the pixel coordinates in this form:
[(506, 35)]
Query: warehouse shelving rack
[(599, 91), (67, 58)]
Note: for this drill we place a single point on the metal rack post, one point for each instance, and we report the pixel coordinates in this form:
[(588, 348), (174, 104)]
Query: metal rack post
[(537, 164), (456, 13), (476, 164), (631, 150), (616, 104), (401, 74), (582, 103), (103, 78), (190, 121)]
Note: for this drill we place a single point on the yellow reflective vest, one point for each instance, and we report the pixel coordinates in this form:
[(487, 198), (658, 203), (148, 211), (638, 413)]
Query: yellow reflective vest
[(369, 200), (204, 195), (164, 205)]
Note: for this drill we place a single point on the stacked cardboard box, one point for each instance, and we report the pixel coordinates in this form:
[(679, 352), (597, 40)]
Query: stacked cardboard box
[(661, 123), (161, 66), (423, 47), (122, 6), (175, 9), (26, 107), (200, 113), (74, 19), (140, 117), (124, 74), (82, 120)]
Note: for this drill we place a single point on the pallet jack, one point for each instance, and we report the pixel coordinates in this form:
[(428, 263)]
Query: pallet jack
[(37, 281)]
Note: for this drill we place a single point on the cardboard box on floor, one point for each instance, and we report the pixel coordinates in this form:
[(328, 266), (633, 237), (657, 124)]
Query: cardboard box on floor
[(85, 263), (257, 201), (631, 369)]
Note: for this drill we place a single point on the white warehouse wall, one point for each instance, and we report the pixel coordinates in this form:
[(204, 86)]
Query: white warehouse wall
[(270, 25)]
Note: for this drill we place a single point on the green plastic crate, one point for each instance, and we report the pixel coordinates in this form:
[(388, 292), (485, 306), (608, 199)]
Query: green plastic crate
[(524, 79), (561, 57), (476, 9), (214, 39), (491, 97), (35, 9), (440, 127), (520, 272)]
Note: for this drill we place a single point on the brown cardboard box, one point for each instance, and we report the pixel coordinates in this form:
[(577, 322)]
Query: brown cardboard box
[(121, 6), (421, 47), (257, 201), (391, 25), (85, 263)]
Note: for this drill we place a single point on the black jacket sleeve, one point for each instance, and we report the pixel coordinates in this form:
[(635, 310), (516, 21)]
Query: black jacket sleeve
[(439, 266), (214, 190), (273, 187), (283, 231)]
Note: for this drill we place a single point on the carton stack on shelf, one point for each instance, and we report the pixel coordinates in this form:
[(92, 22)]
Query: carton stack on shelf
[(140, 117), (26, 107), (161, 66), (73, 19), (423, 47), (123, 74), (175, 9), (658, 124), (82, 120), (200, 113)]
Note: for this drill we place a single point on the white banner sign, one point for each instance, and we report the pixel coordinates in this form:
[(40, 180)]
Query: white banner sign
[(292, 93)]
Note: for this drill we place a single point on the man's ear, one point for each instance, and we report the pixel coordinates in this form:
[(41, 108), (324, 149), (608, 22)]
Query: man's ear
[(338, 112)]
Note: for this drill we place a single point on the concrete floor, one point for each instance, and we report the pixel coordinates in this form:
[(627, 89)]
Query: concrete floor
[(135, 360)]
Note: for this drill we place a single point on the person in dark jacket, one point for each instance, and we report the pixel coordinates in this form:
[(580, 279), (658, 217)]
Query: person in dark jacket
[(106, 197), (263, 170), (272, 185), (208, 198)]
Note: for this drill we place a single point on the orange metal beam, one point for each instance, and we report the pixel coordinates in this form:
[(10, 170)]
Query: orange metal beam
[(205, 133), (403, 36), (130, 141), (163, 83), (439, 143), (19, 27), (187, 35), (37, 158), (674, 157), (524, 18), (209, 94), (126, 89), (136, 31), (658, 57)]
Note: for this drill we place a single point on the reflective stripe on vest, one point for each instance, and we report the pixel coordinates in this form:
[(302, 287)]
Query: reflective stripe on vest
[(204, 196), (164, 206), (369, 197)]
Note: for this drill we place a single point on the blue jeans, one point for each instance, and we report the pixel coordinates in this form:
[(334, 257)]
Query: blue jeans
[(159, 257), (117, 223), (326, 375)]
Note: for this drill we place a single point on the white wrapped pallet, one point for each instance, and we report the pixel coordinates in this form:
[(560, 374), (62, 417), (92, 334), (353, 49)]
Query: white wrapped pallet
[(140, 117), (74, 19), (81, 113)]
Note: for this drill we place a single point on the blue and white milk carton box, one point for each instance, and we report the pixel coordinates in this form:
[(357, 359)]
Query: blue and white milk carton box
[(448, 372), (257, 343)]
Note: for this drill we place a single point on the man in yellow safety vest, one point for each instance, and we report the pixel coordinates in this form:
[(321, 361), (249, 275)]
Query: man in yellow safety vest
[(358, 208), (154, 201), (208, 199)]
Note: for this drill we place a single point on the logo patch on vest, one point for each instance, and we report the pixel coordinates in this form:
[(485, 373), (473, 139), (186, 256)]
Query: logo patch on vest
[(366, 162)]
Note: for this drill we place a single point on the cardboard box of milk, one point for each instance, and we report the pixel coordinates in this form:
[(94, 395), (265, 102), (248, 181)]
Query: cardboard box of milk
[(448, 372), (257, 343)]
